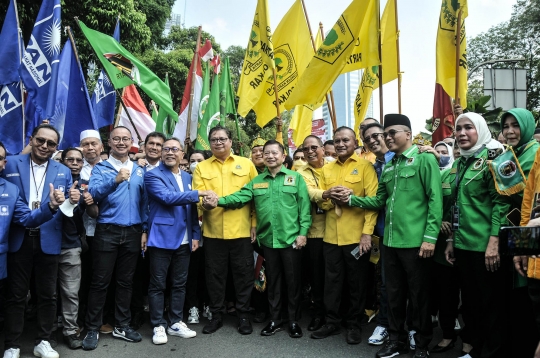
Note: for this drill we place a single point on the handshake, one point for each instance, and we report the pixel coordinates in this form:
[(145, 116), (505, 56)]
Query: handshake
[(210, 199), (338, 194)]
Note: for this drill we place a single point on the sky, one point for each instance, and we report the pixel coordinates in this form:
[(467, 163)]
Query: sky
[(230, 23)]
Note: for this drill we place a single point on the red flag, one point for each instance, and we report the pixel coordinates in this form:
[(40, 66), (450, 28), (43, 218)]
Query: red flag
[(206, 51), (216, 62), (138, 113), (443, 115)]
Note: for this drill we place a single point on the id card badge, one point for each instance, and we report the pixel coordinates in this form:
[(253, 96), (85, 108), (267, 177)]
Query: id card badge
[(455, 218), (36, 204)]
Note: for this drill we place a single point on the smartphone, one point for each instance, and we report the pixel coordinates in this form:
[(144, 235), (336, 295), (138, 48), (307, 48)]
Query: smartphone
[(516, 240), (356, 252)]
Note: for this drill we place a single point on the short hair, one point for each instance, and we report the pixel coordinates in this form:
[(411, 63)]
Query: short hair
[(372, 125), (328, 142), (343, 128), (370, 119), (3, 146), (129, 130), (299, 150), (274, 142), (46, 126), (172, 138), (288, 162), (219, 127), (155, 134), (314, 137), (65, 152), (204, 153)]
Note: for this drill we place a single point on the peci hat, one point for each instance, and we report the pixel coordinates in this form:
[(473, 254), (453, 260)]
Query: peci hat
[(396, 120), (90, 133)]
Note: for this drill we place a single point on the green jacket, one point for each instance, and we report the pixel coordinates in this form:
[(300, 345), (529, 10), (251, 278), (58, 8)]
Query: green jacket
[(481, 209), (281, 203), (410, 187), (440, 247)]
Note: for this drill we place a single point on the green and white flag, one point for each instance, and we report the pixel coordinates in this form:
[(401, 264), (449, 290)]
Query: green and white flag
[(124, 69), (164, 123), (226, 93), (210, 117)]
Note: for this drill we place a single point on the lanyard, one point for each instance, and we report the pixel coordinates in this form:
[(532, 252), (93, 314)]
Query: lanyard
[(42, 178), (467, 165)]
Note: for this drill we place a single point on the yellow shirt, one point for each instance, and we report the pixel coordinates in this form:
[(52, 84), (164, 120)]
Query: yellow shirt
[(224, 179), (312, 177), (358, 175)]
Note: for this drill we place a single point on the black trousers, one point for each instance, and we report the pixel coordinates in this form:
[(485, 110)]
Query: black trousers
[(340, 264), (534, 294), (407, 277), (314, 249), (141, 281), (445, 297), (113, 245), (484, 304), (196, 293), (219, 253), (279, 263), (20, 265)]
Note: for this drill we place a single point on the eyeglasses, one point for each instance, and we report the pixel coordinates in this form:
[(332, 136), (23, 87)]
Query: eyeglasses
[(313, 148), (373, 137), (50, 143), (299, 158), (392, 133), (218, 140), (71, 160), (117, 140), (173, 149)]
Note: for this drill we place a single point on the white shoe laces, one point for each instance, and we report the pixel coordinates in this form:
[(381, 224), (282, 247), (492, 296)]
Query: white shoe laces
[(380, 330)]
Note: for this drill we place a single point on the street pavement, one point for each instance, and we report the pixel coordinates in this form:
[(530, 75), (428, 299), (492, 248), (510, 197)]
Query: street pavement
[(227, 342)]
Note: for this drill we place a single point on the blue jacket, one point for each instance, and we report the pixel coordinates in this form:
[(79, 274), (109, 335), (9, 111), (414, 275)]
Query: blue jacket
[(172, 212), (119, 204), (17, 171)]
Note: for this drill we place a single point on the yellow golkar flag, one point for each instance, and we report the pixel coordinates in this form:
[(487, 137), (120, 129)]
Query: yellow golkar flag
[(446, 49), (259, 60), (292, 52), (370, 79), (332, 56)]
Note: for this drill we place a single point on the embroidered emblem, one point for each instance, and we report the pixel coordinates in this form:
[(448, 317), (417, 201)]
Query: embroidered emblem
[(453, 171), (4, 210), (478, 164), (388, 169), (409, 161), (260, 186), (354, 172), (139, 172), (5, 194), (13, 175), (289, 180), (446, 185), (61, 188), (238, 166), (60, 175)]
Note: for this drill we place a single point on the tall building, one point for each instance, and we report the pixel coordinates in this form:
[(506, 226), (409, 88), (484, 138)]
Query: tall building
[(345, 88), (174, 20)]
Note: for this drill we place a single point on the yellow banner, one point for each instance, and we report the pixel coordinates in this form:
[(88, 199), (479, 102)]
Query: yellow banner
[(301, 123), (258, 62), (332, 56), (446, 49), (292, 52)]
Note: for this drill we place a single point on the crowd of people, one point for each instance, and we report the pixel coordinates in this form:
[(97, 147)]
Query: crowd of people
[(405, 233)]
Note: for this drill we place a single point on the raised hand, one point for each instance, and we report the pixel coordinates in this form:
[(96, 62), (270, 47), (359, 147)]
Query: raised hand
[(87, 197), (122, 175), (56, 197), (74, 193)]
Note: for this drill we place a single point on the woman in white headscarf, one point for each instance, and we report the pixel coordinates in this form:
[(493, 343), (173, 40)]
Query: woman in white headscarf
[(446, 155), (476, 215)]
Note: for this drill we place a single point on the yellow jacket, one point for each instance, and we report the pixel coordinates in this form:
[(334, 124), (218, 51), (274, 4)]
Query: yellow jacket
[(532, 187), (224, 179), (358, 175), (312, 177)]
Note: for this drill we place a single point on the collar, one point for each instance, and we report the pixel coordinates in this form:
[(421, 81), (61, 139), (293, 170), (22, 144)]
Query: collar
[(87, 164), (412, 150), (35, 165), (115, 161), (266, 173), (213, 158), (354, 157)]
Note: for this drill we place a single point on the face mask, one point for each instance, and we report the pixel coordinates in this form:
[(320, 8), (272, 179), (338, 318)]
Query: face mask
[(192, 166), (444, 161), (330, 159), (298, 163)]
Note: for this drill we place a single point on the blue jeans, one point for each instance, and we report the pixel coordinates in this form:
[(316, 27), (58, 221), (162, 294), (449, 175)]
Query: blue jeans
[(160, 261)]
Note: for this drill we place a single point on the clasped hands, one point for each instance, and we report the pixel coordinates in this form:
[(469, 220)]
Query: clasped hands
[(210, 199), (338, 194)]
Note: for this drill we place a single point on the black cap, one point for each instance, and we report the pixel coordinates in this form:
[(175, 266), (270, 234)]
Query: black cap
[(395, 120)]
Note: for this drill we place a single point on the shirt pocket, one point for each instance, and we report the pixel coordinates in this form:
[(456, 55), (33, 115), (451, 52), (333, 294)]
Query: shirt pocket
[(240, 178), (474, 187), (288, 198), (260, 197), (211, 182), (161, 220), (330, 181), (406, 179)]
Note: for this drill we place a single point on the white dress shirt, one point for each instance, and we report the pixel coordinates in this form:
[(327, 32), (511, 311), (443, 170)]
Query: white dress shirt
[(118, 164), (178, 178), (37, 181)]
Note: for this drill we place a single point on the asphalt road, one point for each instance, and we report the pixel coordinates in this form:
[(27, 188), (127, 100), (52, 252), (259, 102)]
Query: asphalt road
[(227, 342)]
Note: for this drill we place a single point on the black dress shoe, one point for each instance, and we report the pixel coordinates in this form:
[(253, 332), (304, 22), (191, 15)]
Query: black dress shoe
[(244, 326), (272, 328), (353, 336), (260, 317), (73, 342), (294, 330), (439, 349), (212, 326), (326, 331), (392, 349), (315, 324)]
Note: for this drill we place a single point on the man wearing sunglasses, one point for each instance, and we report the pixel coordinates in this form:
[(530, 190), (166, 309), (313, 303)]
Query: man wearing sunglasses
[(35, 249), (410, 188), (117, 186)]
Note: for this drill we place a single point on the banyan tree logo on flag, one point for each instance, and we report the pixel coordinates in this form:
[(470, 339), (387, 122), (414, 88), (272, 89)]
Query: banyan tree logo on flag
[(103, 88), (214, 121), (125, 66), (286, 71), (8, 100), (336, 42), (202, 106)]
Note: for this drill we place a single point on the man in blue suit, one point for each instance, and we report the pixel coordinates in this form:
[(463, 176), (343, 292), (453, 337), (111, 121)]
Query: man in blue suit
[(173, 233), (35, 249)]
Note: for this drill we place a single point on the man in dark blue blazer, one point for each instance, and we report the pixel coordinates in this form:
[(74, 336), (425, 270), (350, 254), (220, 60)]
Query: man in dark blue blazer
[(173, 233), (35, 249)]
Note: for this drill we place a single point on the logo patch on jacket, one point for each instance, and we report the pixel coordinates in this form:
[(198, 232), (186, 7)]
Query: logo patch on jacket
[(4, 210), (354, 172), (139, 172), (409, 161), (289, 180)]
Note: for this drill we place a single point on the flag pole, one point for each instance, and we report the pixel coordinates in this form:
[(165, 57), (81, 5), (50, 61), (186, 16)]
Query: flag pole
[(20, 80), (191, 95), (279, 127), (129, 116), (398, 59), (332, 110), (458, 53), (231, 90), (381, 95), (118, 114)]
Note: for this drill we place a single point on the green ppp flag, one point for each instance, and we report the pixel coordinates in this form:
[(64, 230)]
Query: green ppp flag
[(125, 69), (210, 117)]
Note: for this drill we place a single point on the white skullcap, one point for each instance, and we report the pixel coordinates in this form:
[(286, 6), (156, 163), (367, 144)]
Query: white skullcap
[(90, 133)]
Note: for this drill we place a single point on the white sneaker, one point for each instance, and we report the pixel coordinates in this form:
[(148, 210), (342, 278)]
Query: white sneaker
[(380, 334), (12, 353), (44, 350), (457, 327), (412, 343), (207, 313), (180, 329), (193, 315), (160, 337)]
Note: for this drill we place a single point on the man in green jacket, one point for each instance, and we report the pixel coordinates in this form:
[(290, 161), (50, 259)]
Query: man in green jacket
[(410, 188), (283, 220)]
